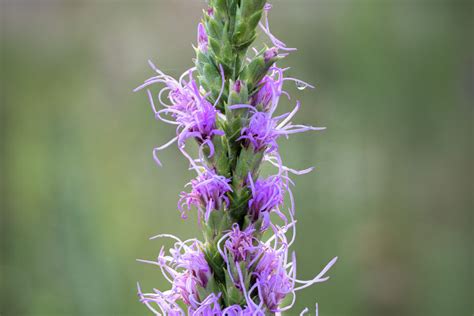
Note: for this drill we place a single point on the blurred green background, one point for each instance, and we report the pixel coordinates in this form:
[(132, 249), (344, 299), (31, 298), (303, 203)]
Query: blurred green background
[(392, 195)]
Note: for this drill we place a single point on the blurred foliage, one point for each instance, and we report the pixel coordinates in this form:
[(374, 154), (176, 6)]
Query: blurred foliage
[(392, 195)]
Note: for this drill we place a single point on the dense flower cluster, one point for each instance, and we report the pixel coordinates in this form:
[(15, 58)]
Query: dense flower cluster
[(193, 115), (227, 104), (208, 194), (267, 196)]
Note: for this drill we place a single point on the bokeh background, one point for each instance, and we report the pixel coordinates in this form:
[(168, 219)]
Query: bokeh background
[(392, 195)]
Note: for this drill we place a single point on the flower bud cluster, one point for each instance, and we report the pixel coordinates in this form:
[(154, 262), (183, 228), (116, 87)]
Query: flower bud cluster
[(227, 104)]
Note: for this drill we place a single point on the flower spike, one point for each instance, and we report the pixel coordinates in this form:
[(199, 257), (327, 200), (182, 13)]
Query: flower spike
[(227, 105)]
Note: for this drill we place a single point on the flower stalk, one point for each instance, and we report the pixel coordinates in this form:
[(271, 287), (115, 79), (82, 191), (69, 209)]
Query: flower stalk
[(227, 105)]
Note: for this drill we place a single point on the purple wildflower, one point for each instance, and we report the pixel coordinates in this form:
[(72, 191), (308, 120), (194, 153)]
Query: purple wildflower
[(240, 244), (275, 274), (271, 89), (267, 266), (208, 194), (187, 271), (264, 130), (267, 196), (272, 281), (235, 272), (265, 94), (193, 115), (261, 132)]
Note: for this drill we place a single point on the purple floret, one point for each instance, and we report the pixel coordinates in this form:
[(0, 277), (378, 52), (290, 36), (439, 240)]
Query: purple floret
[(264, 130), (240, 244), (261, 132), (194, 116), (238, 265), (208, 193), (187, 270), (267, 196), (272, 280)]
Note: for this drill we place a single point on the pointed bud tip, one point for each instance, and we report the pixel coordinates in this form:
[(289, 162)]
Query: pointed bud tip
[(270, 54)]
